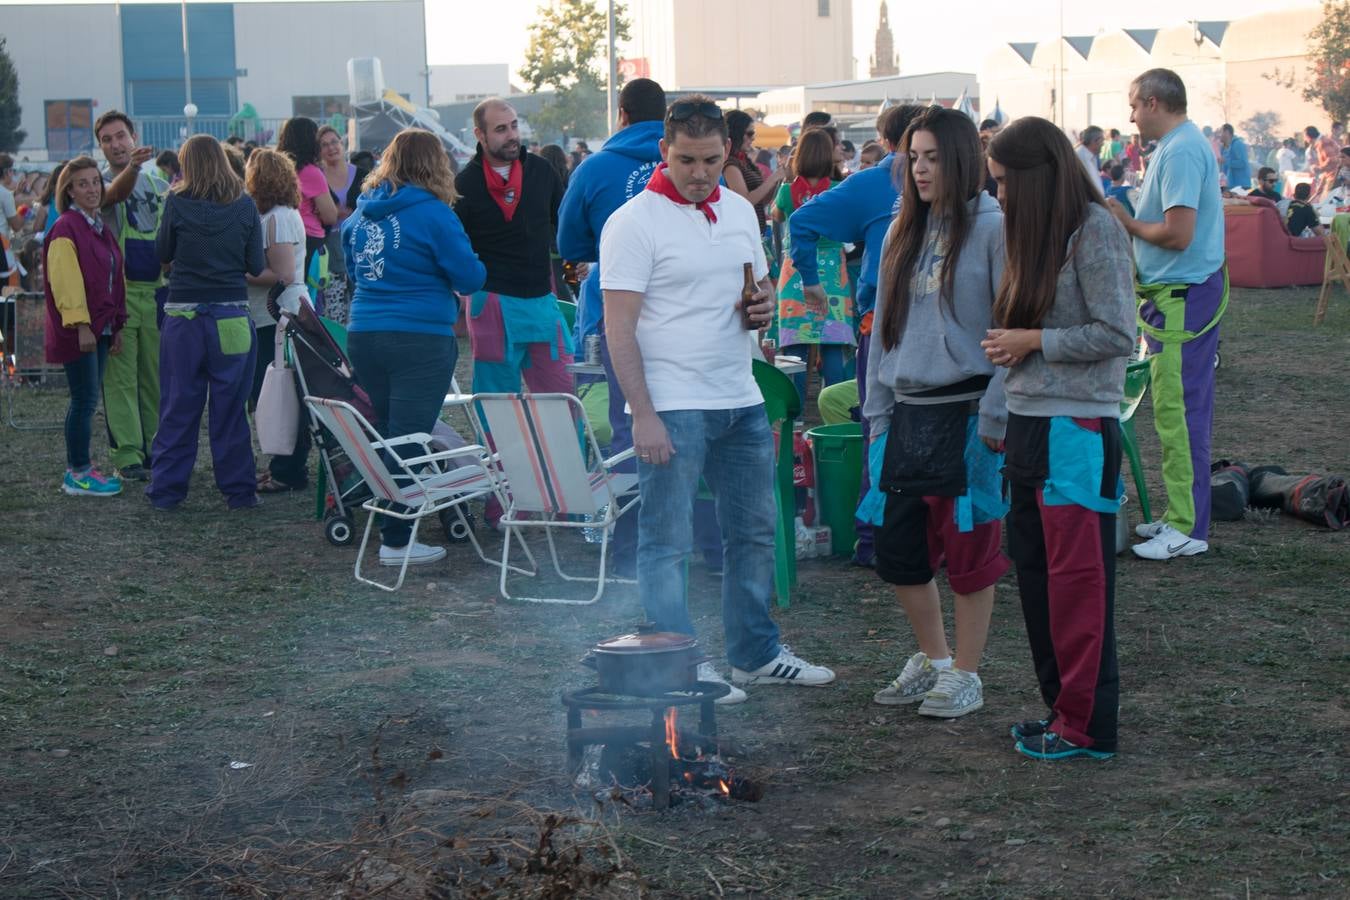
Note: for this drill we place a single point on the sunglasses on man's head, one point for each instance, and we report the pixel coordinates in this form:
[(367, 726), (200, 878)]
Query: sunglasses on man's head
[(684, 110)]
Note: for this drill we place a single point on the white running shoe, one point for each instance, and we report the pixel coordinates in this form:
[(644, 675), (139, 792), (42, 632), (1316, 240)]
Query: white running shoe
[(708, 672), (786, 668), (421, 554), (915, 679), (1149, 530), (1169, 544)]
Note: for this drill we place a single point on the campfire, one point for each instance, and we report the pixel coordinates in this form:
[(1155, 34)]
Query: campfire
[(660, 764), (694, 770)]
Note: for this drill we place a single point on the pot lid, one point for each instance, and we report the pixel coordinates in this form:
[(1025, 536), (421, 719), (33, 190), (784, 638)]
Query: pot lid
[(647, 642)]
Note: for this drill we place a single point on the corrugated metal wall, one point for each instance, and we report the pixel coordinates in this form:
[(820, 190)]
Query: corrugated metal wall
[(152, 53)]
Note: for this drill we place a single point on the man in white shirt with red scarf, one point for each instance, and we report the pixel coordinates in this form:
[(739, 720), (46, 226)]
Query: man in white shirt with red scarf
[(672, 269)]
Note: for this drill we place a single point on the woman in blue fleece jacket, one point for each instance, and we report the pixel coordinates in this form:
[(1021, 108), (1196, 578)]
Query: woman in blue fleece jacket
[(407, 258)]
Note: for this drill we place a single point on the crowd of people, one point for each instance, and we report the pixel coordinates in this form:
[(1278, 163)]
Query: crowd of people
[(969, 291)]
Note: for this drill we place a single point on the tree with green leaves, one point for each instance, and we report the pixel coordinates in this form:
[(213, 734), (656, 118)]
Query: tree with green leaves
[(11, 135), (1328, 81), (568, 54)]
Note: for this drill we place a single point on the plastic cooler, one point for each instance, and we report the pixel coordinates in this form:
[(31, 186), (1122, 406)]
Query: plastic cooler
[(838, 451)]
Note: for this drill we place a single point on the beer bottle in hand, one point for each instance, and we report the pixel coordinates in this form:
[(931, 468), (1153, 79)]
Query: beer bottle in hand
[(748, 292)]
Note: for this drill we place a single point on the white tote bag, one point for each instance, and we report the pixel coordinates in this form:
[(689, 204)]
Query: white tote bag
[(278, 414)]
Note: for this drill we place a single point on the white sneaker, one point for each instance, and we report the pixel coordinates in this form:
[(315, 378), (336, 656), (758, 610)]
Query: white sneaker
[(1148, 530), (914, 681), (421, 554), (708, 672), (786, 668), (956, 693), (1169, 544)]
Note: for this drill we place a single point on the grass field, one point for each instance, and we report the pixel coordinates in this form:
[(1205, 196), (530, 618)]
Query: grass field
[(205, 703)]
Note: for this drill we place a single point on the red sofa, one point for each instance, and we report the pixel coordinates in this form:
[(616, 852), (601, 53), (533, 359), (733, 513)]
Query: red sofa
[(1261, 253)]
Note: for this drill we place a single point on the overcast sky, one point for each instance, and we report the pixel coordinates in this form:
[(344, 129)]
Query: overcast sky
[(943, 36)]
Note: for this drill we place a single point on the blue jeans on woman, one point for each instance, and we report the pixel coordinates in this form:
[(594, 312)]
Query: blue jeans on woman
[(85, 377), (732, 449), (407, 375)]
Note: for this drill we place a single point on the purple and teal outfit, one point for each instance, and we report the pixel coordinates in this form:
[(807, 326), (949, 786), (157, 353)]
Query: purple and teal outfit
[(207, 346), (1182, 297)]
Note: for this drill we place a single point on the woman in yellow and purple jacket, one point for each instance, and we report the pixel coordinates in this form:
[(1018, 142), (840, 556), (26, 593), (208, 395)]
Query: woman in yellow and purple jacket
[(86, 309)]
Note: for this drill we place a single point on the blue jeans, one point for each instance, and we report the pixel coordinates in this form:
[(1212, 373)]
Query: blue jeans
[(407, 375), (85, 377), (624, 543), (733, 451)]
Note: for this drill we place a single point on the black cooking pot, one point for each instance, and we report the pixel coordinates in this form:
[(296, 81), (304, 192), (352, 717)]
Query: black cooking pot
[(647, 663)]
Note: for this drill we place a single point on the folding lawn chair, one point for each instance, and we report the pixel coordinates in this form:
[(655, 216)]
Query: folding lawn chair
[(555, 481), (416, 484)]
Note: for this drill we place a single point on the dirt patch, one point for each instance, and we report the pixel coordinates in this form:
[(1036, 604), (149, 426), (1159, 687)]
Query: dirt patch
[(242, 639)]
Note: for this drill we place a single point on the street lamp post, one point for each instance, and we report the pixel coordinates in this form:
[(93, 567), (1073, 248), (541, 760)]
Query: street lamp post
[(610, 98), (189, 108)]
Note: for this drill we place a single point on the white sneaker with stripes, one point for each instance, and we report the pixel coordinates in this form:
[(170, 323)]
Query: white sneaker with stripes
[(786, 668)]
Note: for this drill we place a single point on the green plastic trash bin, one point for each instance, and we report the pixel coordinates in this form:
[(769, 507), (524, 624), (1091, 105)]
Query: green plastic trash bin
[(838, 454)]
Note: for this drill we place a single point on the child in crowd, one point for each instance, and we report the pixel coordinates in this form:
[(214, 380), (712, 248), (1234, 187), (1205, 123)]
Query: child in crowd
[(1117, 188), (86, 309), (1065, 326), (937, 402)]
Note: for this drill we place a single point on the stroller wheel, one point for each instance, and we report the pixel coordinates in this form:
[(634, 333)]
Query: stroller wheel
[(455, 529), (339, 531)]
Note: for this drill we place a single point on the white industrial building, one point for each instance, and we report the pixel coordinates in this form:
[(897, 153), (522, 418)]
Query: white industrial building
[(282, 58)]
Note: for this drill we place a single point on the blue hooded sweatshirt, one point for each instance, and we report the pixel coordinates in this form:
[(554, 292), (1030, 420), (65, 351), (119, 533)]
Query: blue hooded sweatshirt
[(860, 208), (407, 255), (601, 184)]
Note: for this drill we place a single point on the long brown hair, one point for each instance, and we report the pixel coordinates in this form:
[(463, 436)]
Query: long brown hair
[(207, 174), (960, 178), (415, 156), (1047, 196)]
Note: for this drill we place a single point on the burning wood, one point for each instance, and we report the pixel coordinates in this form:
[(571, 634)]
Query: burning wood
[(695, 770)]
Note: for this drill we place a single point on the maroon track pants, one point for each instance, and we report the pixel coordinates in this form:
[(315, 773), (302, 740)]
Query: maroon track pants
[(1065, 559)]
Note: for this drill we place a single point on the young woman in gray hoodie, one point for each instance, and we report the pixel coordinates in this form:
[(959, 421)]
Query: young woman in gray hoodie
[(1066, 324), (937, 402)]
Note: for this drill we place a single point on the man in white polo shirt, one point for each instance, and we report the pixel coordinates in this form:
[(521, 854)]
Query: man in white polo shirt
[(671, 268)]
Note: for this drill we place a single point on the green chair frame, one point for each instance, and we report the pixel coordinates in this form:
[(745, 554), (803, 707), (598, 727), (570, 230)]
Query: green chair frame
[(783, 406), (1137, 375)]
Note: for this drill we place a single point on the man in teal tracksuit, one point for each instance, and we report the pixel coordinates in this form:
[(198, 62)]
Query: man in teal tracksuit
[(135, 201), (1183, 291)]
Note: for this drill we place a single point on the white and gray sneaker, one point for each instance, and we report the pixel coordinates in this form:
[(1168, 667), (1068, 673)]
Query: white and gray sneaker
[(786, 668), (1169, 544), (956, 693), (1148, 530), (419, 555), (708, 672), (915, 679)]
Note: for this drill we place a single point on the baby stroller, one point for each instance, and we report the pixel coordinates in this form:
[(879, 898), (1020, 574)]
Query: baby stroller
[(317, 349)]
